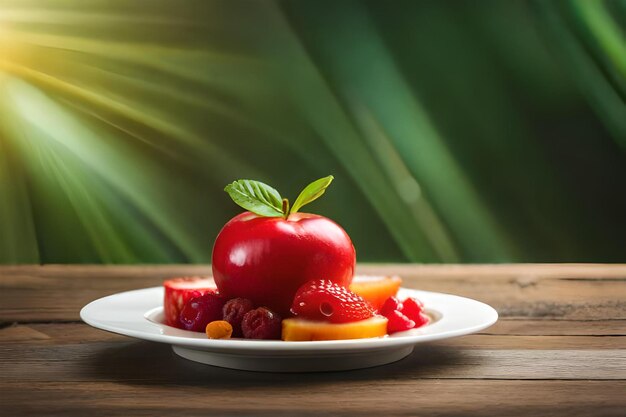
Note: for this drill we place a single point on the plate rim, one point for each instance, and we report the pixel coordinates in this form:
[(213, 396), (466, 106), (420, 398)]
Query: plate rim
[(411, 337)]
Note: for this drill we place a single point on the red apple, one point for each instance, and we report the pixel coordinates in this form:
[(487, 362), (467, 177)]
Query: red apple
[(266, 259)]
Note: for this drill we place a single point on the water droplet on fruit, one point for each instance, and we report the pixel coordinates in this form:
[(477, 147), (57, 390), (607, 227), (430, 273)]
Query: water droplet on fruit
[(326, 309)]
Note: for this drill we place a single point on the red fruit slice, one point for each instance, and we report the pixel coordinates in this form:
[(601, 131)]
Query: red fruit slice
[(326, 301), (180, 290)]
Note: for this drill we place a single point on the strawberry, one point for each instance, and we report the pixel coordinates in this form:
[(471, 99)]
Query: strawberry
[(324, 300), (180, 290)]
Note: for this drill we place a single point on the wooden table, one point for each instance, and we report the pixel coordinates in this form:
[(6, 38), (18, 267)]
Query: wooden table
[(559, 348)]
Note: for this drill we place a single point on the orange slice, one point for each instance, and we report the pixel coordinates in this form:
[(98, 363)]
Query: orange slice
[(376, 289), (295, 329)]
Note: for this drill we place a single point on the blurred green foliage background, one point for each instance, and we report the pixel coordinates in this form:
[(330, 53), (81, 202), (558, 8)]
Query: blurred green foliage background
[(457, 131)]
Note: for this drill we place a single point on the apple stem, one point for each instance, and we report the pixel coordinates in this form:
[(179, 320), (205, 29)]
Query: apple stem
[(285, 208)]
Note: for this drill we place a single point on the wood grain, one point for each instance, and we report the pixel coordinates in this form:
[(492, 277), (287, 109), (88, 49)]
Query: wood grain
[(549, 327), (344, 397), (570, 292), (333, 395), (559, 349)]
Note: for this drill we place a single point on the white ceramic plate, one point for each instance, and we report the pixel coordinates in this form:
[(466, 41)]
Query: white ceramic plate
[(140, 314)]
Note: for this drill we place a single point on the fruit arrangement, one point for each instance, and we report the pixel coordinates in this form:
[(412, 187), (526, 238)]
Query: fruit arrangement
[(180, 290), (283, 274)]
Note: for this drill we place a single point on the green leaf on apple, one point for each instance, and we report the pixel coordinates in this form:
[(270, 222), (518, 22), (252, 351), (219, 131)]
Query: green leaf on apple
[(261, 199), (312, 192), (256, 197)]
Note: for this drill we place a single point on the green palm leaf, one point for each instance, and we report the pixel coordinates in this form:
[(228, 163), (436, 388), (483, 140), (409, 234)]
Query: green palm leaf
[(120, 125)]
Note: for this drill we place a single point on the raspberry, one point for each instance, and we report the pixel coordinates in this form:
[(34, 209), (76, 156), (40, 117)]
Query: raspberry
[(402, 314), (421, 320), (261, 323), (391, 304), (200, 311), (233, 312), (325, 300), (398, 322), (412, 308)]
